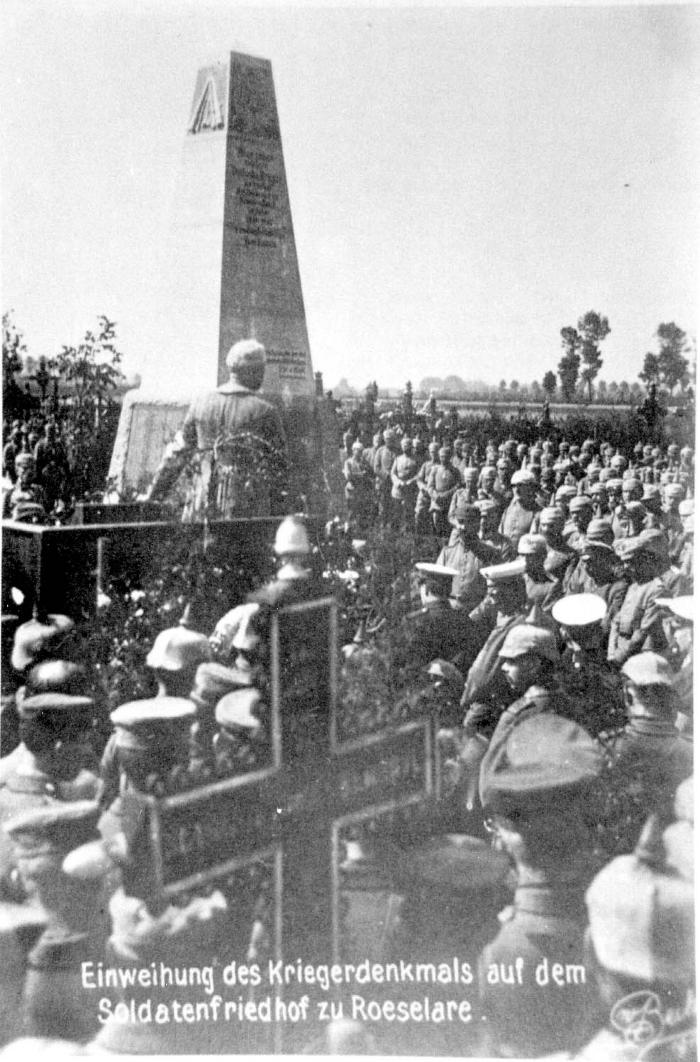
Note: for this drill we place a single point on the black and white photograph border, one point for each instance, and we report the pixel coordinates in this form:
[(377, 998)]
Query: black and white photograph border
[(347, 676)]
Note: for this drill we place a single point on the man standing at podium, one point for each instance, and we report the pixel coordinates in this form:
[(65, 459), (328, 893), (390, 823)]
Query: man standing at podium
[(238, 443)]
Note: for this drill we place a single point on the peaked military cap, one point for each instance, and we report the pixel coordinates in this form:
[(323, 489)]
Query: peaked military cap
[(648, 669), (581, 501), (62, 703), (437, 572), (138, 721), (527, 638), (502, 573), (54, 829), (683, 607), (579, 610), (542, 755), (522, 476)]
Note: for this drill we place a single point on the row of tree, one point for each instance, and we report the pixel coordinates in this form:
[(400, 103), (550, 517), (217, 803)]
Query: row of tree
[(669, 369), (454, 388)]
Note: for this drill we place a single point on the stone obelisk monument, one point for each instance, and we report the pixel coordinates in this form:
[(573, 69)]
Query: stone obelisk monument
[(230, 271), (230, 267)]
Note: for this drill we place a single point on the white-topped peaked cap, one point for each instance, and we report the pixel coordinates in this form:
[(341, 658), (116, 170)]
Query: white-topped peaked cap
[(579, 610), (683, 607), (648, 669), (436, 570), (501, 573)]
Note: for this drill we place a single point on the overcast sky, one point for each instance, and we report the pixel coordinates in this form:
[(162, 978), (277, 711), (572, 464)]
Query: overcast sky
[(464, 181)]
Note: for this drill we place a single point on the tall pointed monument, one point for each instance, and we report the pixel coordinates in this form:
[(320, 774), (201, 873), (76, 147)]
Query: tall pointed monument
[(231, 270)]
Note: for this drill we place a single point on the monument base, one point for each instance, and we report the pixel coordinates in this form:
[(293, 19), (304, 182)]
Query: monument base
[(148, 423)]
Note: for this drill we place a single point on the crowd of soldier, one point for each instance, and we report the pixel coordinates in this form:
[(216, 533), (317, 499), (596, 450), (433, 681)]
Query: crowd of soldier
[(555, 638), (36, 471), (560, 603)]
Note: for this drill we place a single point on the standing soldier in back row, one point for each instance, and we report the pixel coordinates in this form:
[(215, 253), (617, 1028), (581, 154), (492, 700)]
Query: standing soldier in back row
[(359, 488), (520, 513)]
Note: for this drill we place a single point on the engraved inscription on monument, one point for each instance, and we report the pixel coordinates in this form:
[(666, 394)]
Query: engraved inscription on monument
[(260, 285), (259, 196)]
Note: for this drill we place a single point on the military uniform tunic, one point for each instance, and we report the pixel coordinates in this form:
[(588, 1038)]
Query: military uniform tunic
[(542, 592), (546, 921), (637, 625), (649, 758), (486, 690), (517, 521), (468, 588), (437, 630)]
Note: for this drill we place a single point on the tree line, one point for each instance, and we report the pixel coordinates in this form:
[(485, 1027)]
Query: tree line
[(577, 378), (669, 369)]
